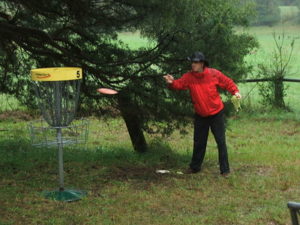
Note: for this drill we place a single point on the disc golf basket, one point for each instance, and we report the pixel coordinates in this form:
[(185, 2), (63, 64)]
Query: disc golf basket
[(294, 211), (57, 92), (45, 136)]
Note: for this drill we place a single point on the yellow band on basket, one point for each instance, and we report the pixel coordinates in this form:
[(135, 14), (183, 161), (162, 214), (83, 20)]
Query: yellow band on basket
[(56, 74)]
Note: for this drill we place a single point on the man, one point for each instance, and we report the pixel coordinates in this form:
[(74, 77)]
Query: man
[(202, 82)]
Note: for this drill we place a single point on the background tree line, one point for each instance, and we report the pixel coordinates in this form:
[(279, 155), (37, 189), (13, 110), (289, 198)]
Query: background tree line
[(268, 11)]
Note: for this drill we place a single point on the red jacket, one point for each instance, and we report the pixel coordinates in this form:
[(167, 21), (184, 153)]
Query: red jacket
[(203, 89)]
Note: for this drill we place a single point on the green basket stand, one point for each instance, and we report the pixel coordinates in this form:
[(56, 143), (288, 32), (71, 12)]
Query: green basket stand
[(67, 195)]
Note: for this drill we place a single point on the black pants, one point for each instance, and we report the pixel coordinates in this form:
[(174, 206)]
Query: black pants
[(201, 128)]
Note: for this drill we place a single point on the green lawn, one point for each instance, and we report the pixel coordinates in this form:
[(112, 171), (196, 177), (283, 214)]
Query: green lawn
[(9, 103), (134, 40), (266, 41), (263, 54), (264, 36), (123, 187)]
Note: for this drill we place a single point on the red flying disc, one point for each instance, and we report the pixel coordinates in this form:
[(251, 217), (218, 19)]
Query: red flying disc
[(107, 91)]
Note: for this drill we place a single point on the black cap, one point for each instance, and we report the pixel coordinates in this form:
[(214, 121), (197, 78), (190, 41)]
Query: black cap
[(198, 57)]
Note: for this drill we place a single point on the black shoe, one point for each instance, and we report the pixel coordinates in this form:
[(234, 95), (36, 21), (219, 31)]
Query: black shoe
[(225, 175), (191, 171)]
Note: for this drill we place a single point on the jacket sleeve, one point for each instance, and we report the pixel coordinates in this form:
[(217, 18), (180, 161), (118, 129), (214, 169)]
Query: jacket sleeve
[(179, 84), (226, 83)]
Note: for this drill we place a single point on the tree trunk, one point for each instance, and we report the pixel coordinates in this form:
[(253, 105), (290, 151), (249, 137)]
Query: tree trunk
[(133, 123), (279, 93)]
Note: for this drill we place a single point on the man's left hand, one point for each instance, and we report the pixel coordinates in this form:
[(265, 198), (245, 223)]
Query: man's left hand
[(238, 95)]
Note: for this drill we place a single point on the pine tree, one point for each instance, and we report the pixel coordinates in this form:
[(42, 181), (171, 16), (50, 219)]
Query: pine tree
[(84, 33)]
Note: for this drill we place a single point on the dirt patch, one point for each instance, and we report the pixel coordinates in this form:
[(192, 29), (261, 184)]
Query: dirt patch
[(294, 129), (290, 132), (264, 119), (16, 116), (133, 172), (263, 170), (256, 169), (140, 177)]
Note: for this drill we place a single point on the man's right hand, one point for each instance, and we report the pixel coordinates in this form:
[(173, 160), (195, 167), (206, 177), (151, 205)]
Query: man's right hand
[(169, 78)]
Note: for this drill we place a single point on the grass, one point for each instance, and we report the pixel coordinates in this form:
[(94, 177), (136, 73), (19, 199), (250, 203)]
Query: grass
[(9, 103), (123, 187), (264, 36), (134, 40)]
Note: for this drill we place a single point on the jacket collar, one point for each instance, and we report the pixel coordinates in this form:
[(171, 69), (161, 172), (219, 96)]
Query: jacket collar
[(200, 75)]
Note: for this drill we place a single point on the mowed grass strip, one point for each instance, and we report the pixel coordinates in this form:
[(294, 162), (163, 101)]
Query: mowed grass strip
[(123, 187)]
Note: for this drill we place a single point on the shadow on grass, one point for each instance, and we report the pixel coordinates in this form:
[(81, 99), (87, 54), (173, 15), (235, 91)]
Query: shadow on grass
[(91, 168)]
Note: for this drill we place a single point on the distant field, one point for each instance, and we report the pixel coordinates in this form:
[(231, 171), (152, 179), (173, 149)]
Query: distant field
[(9, 103), (134, 40), (266, 41), (267, 45), (265, 37)]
